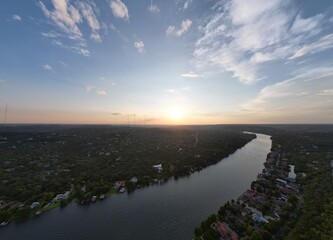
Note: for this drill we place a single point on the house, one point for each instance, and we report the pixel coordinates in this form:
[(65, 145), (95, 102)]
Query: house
[(134, 180), (60, 197), (34, 204), (158, 167), (281, 182), (120, 184), (258, 218), (218, 226)]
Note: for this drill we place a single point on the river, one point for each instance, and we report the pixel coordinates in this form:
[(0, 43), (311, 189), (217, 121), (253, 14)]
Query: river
[(168, 211)]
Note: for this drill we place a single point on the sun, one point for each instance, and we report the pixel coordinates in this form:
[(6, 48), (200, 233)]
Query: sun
[(176, 114)]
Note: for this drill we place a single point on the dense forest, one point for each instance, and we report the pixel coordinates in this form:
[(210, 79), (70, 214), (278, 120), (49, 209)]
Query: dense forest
[(40, 162)]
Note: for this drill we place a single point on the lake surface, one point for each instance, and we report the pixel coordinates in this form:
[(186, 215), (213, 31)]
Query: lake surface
[(168, 211)]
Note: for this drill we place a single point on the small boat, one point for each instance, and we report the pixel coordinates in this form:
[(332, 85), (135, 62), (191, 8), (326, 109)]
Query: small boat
[(4, 224), (122, 190)]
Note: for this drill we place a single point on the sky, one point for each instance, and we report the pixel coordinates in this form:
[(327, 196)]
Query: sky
[(166, 62)]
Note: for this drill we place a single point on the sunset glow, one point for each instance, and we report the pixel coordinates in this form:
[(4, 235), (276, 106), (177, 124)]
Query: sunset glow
[(101, 61)]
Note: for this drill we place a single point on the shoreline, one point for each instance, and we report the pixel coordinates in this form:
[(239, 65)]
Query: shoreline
[(64, 202), (251, 209)]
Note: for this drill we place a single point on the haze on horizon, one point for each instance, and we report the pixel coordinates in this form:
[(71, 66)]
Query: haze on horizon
[(166, 62)]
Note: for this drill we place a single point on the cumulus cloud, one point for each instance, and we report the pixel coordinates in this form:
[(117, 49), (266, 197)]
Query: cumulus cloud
[(119, 9), (140, 46), (239, 35), (47, 67), (16, 18), (190, 75), (184, 27)]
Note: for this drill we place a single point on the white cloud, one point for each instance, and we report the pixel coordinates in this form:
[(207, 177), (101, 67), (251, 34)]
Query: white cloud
[(326, 92), (89, 13), (153, 8), (16, 18), (170, 30), (322, 44), (239, 35), (307, 25), (171, 91), (184, 27), (67, 17), (2, 81), (119, 9), (307, 95), (47, 67), (190, 75), (140, 46), (101, 92), (187, 4), (90, 88)]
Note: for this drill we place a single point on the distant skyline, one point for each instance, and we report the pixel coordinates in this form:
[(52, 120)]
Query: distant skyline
[(166, 62)]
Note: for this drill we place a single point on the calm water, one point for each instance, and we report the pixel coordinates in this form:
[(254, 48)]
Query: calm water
[(168, 211)]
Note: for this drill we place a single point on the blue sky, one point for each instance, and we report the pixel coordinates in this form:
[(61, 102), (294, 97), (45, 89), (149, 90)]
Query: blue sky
[(166, 62)]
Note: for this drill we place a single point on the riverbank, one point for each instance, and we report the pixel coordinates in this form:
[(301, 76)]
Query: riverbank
[(162, 211), (187, 156), (261, 211)]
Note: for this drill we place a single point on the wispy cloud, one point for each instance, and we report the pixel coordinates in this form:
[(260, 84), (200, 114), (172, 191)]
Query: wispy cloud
[(140, 46), (47, 67), (116, 114), (184, 27), (119, 9), (238, 36), (101, 92), (153, 8), (187, 3), (306, 95), (322, 44), (67, 17), (326, 92), (92, 88), (89, 13), (2, 81), (16, 18), (190, 75), (124, 38), (171, 91), (179, 91)]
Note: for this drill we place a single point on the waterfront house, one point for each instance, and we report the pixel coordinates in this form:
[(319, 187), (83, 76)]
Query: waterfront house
[(158, 167), (120, 184), (134, 180), (34, 204)]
